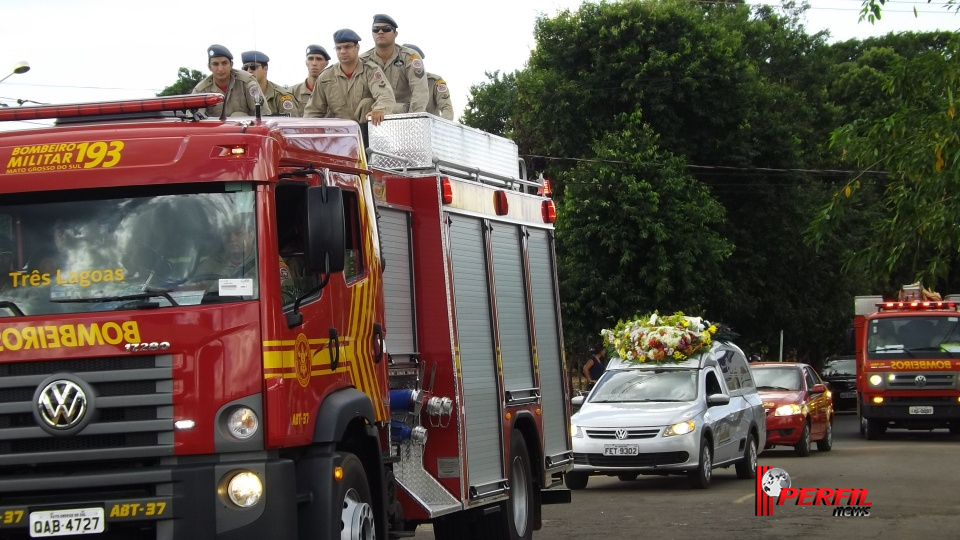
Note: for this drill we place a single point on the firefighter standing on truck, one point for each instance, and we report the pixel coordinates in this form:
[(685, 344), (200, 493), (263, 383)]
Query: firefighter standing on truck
[(402, 66), (279, 99), (352, 88), (317, 60), (440, 104), (240, 89)]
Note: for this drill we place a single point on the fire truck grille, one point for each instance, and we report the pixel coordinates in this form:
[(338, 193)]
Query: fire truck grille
[(128, 416), (922, 381)]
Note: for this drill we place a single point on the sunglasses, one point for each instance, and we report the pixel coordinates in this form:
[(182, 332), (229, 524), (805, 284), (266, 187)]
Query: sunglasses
[(380, 29), (250, 67)]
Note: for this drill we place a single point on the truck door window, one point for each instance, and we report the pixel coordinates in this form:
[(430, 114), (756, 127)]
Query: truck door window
[(353, 256), (294, 279)]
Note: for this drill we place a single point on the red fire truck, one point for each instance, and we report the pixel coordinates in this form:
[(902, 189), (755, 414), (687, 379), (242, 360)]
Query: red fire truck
[(240, 328), (908, 359)]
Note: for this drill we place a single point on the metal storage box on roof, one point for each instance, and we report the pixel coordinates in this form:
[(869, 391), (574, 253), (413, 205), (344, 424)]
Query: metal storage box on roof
[(422, 138)]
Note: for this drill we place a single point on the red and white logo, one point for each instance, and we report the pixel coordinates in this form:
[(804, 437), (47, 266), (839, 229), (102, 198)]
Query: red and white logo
[(775, 488)]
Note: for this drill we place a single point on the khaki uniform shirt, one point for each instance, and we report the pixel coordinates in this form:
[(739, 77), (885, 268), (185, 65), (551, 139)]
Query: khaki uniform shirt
[(407, 76), (241, 96), (280, 100), (351, 98), (301, 95), (440, 104)]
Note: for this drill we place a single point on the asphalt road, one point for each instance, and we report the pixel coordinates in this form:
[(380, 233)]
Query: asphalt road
[(912, 478)]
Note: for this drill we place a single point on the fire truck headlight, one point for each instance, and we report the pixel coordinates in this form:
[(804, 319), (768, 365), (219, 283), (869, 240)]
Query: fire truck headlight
[(788, 410), (876, 380), (245, 489), (243, 423)]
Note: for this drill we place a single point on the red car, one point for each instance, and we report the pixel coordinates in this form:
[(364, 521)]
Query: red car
[(798, 405)]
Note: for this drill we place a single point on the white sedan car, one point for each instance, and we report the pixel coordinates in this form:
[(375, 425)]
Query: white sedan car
[(678, 418)]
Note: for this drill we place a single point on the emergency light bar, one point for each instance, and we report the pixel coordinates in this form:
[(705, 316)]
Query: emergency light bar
[(76, 110), (918, 305)]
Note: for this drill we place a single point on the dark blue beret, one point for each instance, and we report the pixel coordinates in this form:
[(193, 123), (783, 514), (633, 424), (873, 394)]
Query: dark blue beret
[(418, 49), (317, 49), (344, 35), (254, 56), (218, 50), (385, 19)]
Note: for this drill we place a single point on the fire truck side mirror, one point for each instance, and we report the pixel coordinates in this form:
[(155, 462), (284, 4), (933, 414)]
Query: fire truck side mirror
[(325, 238)]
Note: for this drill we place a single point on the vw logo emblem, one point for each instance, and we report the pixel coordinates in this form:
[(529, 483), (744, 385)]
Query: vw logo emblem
[(62, 404), (920, 380), (621, 434)]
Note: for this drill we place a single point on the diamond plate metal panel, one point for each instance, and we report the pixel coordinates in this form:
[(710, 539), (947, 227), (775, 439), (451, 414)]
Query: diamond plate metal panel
[(417, 481), (423, 137)]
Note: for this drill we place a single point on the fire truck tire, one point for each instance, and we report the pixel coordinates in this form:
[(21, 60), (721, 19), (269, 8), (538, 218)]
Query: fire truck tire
[(353, 493), (873, 428), (955, 428), (802, 448), (576, 480), (518, 509)]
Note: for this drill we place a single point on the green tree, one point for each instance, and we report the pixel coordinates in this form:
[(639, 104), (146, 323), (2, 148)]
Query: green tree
[(187, 79), (907, 128), (635, 232)]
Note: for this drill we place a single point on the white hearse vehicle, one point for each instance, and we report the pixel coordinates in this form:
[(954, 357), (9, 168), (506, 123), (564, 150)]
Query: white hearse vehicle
[(687, 417)]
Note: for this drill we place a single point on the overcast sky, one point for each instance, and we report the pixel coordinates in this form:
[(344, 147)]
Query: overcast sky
[(87, 50)]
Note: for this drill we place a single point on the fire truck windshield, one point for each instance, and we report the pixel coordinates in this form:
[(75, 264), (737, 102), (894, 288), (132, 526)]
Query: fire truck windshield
[(934, 336), (81, 253)]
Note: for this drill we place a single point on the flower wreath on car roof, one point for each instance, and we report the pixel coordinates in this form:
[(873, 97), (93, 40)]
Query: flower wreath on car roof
[(664, 339)]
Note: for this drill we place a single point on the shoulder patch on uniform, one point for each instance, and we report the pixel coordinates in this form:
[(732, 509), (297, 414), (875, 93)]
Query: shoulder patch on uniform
[(254, 91), (286, 102), (378, 74), (441, 86), (417, 63), (413, 55)]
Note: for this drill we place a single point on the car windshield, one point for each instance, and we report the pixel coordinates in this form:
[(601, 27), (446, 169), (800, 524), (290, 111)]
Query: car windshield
[(639, 385), (933, 336), (96, 251), (776, 378), (840, 367)]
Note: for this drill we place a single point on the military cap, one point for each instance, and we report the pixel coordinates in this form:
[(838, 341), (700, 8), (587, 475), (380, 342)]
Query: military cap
[(254, 56), (384, 19), (344, 35), (418, 49), (218, 50), (317, 49)]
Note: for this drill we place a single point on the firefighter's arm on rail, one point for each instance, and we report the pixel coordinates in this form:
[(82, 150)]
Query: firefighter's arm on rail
[(382, 92)]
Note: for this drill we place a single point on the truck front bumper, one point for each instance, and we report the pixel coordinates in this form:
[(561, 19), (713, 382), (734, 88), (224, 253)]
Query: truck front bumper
[(914, 412)]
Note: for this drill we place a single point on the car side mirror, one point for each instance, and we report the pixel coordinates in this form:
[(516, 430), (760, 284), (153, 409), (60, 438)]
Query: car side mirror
[(577, 400), (818, 389), (717, 399)]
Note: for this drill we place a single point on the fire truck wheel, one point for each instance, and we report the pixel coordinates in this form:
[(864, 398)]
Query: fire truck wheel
[(353, 493), (955, 428), (576, 480), (518, 509), (874, 429), (802, 448)]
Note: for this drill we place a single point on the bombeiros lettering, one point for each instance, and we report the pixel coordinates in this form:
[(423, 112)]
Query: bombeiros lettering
[(71, 335), (64, 156)]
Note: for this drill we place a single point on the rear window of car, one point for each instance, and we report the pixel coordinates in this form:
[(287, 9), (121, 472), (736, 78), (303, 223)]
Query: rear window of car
[(776, 378), (839, 367)]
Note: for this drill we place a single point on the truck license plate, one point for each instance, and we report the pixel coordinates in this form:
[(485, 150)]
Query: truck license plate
[(845, 395), (66, 522), (620, 450), (921, 410)]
